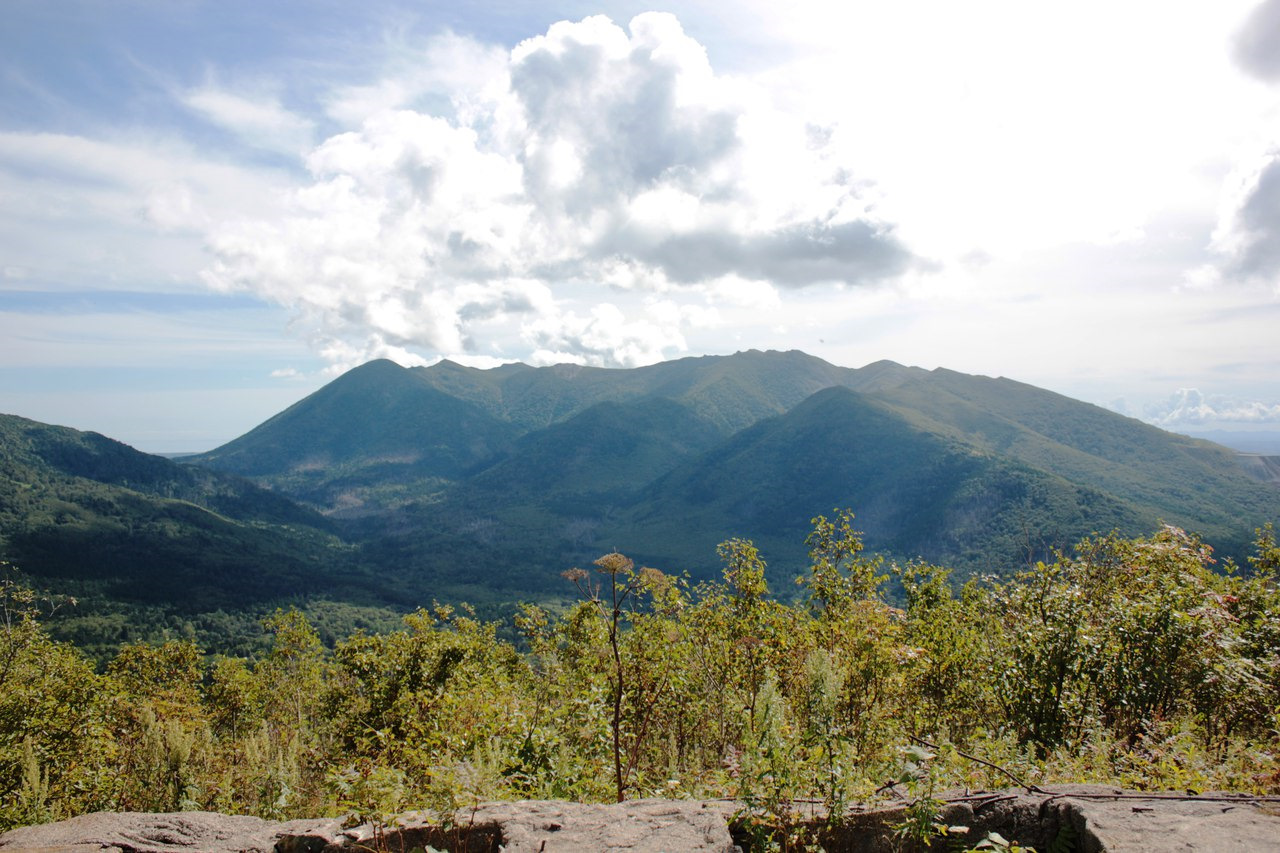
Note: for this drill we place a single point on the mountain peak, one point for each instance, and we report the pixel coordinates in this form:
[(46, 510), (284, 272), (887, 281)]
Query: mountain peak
[(378, 364)]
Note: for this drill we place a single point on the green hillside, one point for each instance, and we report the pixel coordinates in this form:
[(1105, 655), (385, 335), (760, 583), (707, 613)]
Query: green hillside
[(144, 542), (516, 524), (382, 436), (602, 456), (496, 480), (1162, 475), (917, 493), (373, 438), (456, 483), (731, 392)]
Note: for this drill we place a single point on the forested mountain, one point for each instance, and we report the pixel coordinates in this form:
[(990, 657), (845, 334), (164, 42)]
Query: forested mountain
[(141, 539), (393, 486), (498, 479), (377, 435), (918, 492)]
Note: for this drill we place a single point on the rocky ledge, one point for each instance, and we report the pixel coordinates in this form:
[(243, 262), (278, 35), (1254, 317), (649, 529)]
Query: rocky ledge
[(1086, 819)]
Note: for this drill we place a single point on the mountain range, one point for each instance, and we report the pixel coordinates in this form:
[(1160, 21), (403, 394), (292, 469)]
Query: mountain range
[(502, 478), (391, 486)]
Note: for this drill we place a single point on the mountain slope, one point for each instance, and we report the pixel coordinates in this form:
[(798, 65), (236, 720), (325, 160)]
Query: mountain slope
[(916, 493), (364, 441), (1163, 475), (381, 435), (501, 478), (516, 524), (731, 392), (88, 514), (605, 454)]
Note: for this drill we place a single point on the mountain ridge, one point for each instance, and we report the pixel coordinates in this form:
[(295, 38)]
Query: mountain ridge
[(455, 482), (1039, 469)]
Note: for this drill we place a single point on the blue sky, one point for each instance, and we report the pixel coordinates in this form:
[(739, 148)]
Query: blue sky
[(209, 209)]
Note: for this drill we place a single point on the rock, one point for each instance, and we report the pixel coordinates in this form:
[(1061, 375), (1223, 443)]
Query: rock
[(1092, 818), (139, 832), (641, 826), (638, 826), (1135, 825), (1088, 818)]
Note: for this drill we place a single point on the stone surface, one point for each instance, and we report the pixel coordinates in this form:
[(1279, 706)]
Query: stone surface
[(641, 826), (1136, 825), (1095, 818), (141, 832)]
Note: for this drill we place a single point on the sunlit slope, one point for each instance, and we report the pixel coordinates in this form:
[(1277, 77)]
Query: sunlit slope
[(916, 492), (731, 392), (1163, 475), (516, 524), (381, 435)]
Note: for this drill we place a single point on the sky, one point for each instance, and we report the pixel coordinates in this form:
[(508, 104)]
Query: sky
[(210, 208)]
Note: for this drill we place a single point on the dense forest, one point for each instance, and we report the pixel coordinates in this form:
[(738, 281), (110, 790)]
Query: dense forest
[(1138, 661)]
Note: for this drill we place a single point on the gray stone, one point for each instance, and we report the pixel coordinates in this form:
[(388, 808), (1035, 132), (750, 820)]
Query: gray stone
[(1096, 818), (641, 826), (139, 832), (1158, 825)]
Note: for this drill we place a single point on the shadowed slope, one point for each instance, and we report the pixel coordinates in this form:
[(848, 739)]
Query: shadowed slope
[(80, 508)]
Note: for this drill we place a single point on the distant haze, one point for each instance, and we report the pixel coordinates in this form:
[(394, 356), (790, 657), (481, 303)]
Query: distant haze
[(1266, 442)]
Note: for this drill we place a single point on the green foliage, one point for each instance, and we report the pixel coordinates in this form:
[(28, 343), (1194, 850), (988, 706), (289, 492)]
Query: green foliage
[(1266, 559), (148, 545), (55, 749), (1132, 661), (468, 485), (1129, 634), (838, 575)]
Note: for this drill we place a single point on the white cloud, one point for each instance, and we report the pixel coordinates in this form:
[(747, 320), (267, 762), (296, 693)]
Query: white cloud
[(260, 122), (1006, 126), (1060, 171), (1248, 232), (97, 212), (1188, 407), (591, 157), (173, 208), (448, 70), (604, 338)]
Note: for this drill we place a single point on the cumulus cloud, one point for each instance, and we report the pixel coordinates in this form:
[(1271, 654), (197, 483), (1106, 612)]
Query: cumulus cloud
[(1247, 236), (589, 160), (604, 336), (1257, 47), (452, 74), (1188, 407), (1248, 232)]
